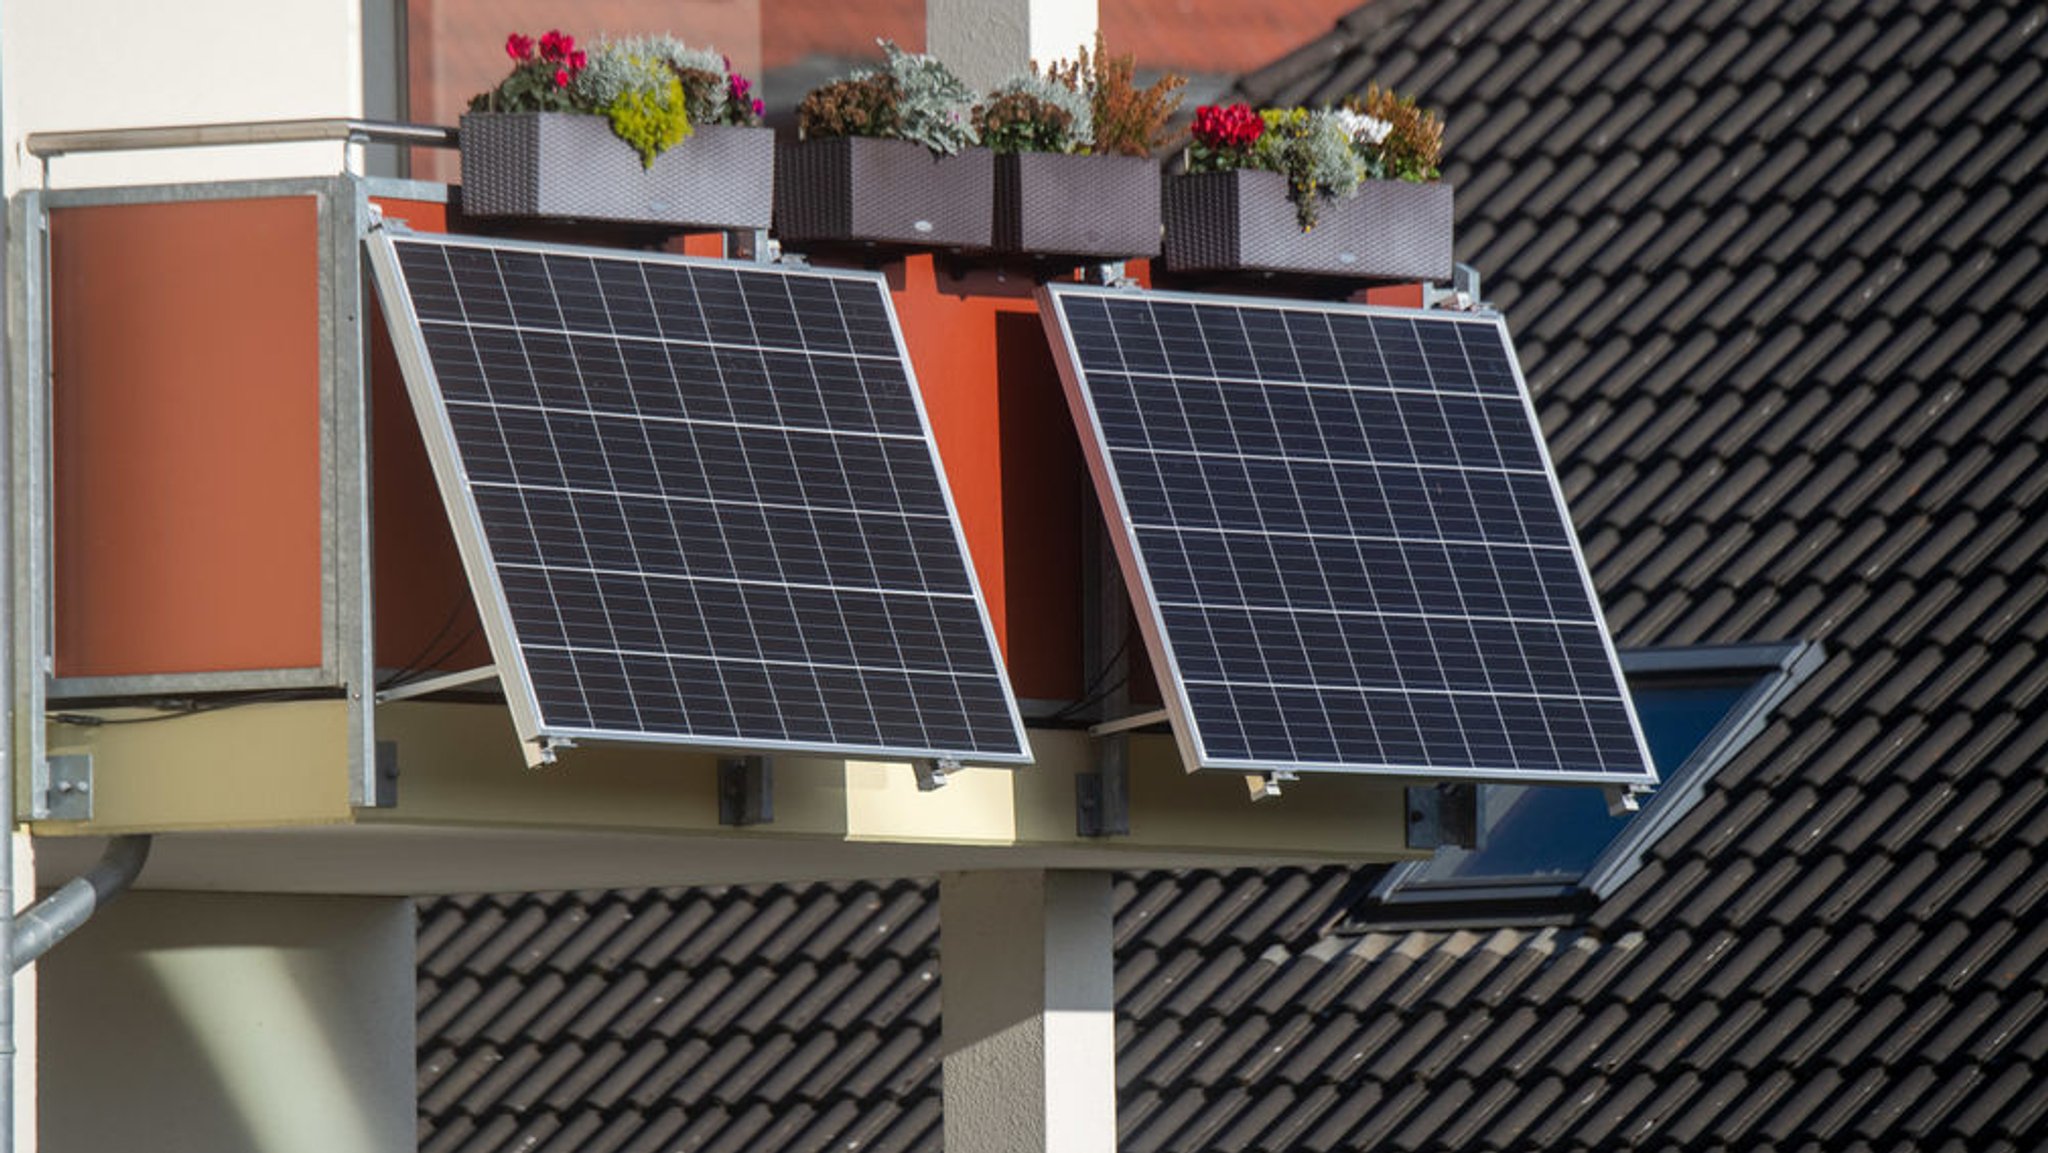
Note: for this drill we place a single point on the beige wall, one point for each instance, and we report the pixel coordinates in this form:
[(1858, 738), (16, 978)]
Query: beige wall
[(226, 1023), (77, 64)]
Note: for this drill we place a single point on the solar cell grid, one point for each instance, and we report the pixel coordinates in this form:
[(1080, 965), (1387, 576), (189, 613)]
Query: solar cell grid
[(1343, 532), (705, 498)]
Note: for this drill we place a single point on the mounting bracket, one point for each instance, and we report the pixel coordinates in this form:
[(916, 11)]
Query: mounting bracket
[(1102, 799), (541, 750), (1111, 274), (64, 790), (1624, 801), (1264, 785), (1444, 815), (752, 244), (931, 772), (1462, 295), (746, 791)]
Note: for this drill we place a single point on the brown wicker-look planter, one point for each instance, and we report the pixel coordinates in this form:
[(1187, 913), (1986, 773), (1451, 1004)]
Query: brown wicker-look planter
[(1243, 221), (864, 190), (566, 165), (1055, 204)]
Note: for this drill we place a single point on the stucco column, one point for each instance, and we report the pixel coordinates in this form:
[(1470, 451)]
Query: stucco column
[(988, 41), (1029, 1031)]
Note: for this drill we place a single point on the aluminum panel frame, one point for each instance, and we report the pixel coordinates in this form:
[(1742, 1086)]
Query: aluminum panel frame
[(465, 518), (1137, 578)]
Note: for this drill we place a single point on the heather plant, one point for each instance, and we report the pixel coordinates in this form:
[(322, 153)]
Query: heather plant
[(1021, 122), (1035, 113), (860, 105), (1126, 120), (1407, 141)]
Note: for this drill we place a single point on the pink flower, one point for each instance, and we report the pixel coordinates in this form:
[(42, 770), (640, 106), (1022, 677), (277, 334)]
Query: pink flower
[(518, 47), (758, 106), (561, 77)]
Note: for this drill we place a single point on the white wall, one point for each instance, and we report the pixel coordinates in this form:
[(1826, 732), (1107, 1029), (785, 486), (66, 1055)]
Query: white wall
[(76, 64), (226, 1023)]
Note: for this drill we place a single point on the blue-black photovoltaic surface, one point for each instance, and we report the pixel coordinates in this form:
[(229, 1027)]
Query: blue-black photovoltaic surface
[(710, 500), (1347, 537)]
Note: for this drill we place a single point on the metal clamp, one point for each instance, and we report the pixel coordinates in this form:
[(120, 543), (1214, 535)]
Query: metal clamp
[(66, 789), (931, 772), (1266, 785), (1625, 801)]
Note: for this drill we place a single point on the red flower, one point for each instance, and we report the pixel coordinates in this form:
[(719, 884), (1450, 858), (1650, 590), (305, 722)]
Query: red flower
[(1231, 128), (561, 77), (518, 47), (577, 60), (555, 45)]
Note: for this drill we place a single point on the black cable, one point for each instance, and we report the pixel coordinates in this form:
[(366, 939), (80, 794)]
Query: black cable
[(1085, 703), (406, 671), (175, 710), (1109, 666)]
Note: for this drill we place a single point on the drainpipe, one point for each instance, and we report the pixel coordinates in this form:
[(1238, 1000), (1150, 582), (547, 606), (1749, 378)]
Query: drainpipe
[(7, 718), (40, 926)]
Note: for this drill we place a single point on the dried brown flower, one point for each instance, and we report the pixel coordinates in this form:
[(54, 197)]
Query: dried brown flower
[(869, 105), (1129, 121)]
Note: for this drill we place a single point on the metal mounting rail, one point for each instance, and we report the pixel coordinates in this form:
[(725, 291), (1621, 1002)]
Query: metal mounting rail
[(45, 145)]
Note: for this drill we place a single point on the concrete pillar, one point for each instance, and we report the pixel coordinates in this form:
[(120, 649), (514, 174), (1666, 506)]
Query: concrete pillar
[(989, 41), (1028, 983), (229, 1023)]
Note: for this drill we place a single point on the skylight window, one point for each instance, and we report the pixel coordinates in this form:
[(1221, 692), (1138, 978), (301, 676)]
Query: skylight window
[(1547, 848)]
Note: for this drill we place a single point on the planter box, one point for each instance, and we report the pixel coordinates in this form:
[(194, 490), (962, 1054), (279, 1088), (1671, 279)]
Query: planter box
[(1243, 221), (568, 165), (1105, 206), (862, 190)]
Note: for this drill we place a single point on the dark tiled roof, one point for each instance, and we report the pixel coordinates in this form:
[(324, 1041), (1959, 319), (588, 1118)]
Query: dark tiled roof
[(1776, 272)]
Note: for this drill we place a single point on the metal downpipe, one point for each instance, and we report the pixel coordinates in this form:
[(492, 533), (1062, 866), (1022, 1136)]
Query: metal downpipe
[(50, 920)]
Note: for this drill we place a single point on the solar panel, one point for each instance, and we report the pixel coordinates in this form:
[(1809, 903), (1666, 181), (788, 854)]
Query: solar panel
[(1346, 544), (698, 501)]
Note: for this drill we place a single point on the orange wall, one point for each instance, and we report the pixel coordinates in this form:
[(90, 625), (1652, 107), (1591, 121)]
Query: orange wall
[(187, 452), (185, 361), (1011, 457), (425, 616)]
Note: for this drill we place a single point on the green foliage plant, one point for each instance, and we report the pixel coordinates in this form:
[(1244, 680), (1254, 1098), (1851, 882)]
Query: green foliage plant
[(913, 97)]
